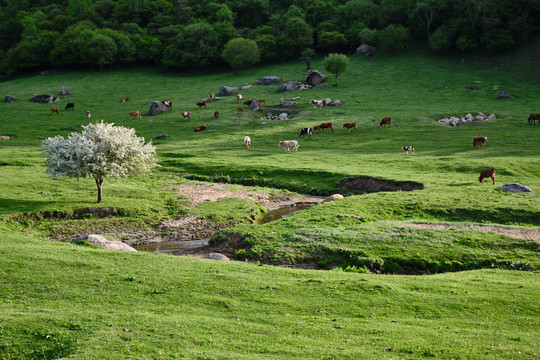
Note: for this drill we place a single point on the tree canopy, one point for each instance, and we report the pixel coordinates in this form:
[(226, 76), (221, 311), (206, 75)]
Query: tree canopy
[(336, 64), (240, 53)]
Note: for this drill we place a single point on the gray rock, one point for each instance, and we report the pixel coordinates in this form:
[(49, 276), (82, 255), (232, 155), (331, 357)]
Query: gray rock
[(227, 90), (333, 198), (10, 98), (45, 98), (254, 106), (245, 87), (316, 77), (104, 243), (268, 80), (157, 107), (216, 256), (161, 137), (334, 103), (503, 95), (283, 116), (492, 117), (365, 49), (65, 92), (288, 86), (515, 188)]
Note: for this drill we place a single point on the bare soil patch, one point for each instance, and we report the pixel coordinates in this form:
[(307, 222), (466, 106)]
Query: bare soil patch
[(368, 184), (524, 234)]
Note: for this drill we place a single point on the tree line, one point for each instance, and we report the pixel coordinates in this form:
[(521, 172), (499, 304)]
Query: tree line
[(194, 33)]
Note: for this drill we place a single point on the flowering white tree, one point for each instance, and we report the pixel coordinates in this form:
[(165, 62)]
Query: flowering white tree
[(99, 151)]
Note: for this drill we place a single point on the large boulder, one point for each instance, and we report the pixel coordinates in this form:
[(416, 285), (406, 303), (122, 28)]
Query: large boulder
[(9, 99), (334, 103), (227, 90), (157, 107), (216, 256), (45, 98), (316, 77), (333, 198), (515, 188), (104, 243), (288, 86), (254, 106), (268, 80), (365, 49), (65, 92)]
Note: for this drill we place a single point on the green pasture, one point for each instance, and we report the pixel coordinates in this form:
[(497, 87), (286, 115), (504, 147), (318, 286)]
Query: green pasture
[(59, 300)]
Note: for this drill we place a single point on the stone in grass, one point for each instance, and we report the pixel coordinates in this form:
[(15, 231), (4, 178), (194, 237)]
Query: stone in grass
[(515, 188), (104, 243), (216, 256)]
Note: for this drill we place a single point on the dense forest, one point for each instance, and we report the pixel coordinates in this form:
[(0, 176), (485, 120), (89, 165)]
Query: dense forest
[(193, 33)]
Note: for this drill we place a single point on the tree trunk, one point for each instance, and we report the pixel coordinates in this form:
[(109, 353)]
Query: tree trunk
[(99, 183), (336, 79)]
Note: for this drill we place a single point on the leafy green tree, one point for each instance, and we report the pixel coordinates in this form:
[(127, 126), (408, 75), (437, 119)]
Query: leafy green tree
[(355, 11), (100, 151), (331, 41), (81, 10), (69, 46), (225, 31), (224, 14), (298, 35), (307, 55), (148, 48), (241, 53), (318, 11), (336, 64), (101, 50), (268, 46), (124, 45), (442, 39), (393, 37), (196, 46)]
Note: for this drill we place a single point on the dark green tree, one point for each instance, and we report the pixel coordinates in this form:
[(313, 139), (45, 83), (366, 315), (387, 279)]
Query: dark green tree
[(308, 55), (101, 50), (336, 64), (240, 53), (393, 38)]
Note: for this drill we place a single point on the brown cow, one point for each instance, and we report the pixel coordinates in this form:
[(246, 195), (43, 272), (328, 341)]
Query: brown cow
[(124, 100), (408, 148), (200, 128), (134, 113), (261, 101), (54, 109), (216, 114), (88, 115), (533, 118), (327, 125), (212, 97), (186, 114), (386, 121), (248, 102), (200, 104), (317, 128), (168, 104), (239, 97), (487, 173), (478, 142), (350, 126), (240, 109)]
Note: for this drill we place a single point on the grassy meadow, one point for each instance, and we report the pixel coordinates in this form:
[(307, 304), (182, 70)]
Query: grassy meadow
[(472, 294)]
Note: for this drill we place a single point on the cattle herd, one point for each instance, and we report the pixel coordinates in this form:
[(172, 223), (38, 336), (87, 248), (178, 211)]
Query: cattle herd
[(287, 145)]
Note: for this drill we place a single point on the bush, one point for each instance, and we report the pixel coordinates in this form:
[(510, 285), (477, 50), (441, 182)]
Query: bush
[(394, 38)]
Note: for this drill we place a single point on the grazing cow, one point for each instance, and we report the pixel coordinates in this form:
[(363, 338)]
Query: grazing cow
[(240, 109), (212, 97), (239, 98), (478, 142), (248, 102), (134, 113), (186, 114), (124, 100), (168, 104), (350, 126), (533, 118), (216, 114), (200, 128), (407, 149), (247, 142), (386, 121), (327, 125), (54, 109), (319, 103), (200, 104), (261, 101), (88, 115), (288, 144), (487, 173), (317, 128), (70, 106), (306, 131)]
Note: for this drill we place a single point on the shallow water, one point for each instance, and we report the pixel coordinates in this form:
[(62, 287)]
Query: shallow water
[(277, 214)]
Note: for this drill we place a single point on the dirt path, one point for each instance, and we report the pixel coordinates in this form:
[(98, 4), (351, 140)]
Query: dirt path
[(512, 232)]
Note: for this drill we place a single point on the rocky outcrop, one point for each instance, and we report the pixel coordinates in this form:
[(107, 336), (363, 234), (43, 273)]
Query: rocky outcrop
[(288, 86), (365, 49), (9, 99), (227, 90), (268, 80), (254, 106), (45, 98), (515, 188), (102, 242), (316, 77), (503, 95), (65, 92), (455, 121), (157, 107)]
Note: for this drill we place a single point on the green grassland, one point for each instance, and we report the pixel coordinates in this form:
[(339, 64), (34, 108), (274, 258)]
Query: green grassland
[(61, 300)]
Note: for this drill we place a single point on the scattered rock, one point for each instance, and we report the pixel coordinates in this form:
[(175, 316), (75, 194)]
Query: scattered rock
[(365, 49), (515, 188), (254, 106), (10, 99), (216, 256), (45, 98), (268, 80), (227, 90), (161, 137), (316, 77), (65, 92), (333, 198), (334, 103), (303, 87), (157, 107), (503, 95), (104, 243), (288, 86), (283, 116), (245, 87), (454, 121)]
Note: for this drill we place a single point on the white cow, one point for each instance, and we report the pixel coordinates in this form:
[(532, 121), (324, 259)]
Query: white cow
[(288, 144), (247, 142)]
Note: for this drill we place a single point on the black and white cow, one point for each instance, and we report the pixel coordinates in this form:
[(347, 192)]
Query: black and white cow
[(306, 131)]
